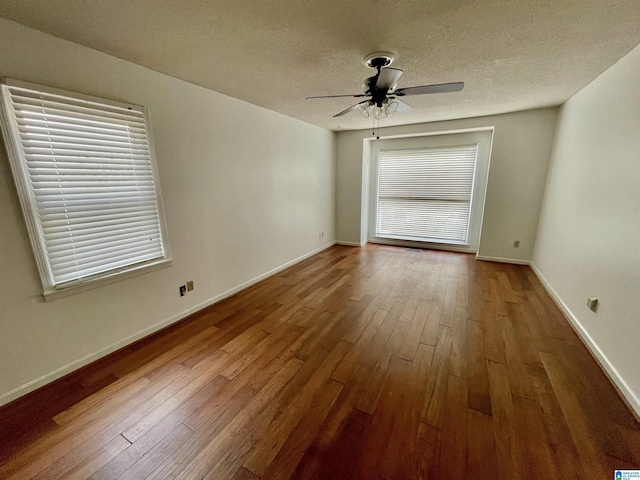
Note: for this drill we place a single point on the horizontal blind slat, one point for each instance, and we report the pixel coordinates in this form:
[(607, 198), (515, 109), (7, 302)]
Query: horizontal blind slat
[(72, 275), (90, 210), (93, 259), (29, 130), (37, 146), (82, 230), (89, 268), (96, 105), (88, 250), (49, 116), (94, 215), (77, 224), (67, 124), (40, 107), (94, 240)]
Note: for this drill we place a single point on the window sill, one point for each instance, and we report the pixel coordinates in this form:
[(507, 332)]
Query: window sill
[(105, 280), (425, 240), (424, 245)]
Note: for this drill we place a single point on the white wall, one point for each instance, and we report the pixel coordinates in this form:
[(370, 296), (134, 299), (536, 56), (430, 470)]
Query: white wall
[(521, 148), (246, 190), (589, 227)]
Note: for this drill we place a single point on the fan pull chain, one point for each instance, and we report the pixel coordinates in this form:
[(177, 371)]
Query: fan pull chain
[(373, 132), (374, 128)]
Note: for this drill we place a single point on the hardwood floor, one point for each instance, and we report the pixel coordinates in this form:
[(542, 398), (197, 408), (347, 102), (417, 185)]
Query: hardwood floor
[(372, 363)]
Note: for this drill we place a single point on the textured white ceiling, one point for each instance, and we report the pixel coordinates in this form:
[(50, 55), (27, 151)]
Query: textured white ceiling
[(511, 54)]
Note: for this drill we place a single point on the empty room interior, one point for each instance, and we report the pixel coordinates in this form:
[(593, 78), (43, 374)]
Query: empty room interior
[(319, 240)]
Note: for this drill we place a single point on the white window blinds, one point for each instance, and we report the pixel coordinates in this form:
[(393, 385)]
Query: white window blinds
[(425, 194), (89, 181)]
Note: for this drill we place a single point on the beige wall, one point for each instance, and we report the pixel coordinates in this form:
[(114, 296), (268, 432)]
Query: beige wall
[(589, 227), (246, 190), (521, 148)]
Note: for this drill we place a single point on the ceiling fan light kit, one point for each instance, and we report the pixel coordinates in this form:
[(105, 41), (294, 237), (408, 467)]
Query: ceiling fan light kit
[(382, 90), (383, 111)]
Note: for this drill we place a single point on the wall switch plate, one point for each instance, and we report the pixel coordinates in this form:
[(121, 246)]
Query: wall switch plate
[(183, 290), (592, 303), (516, 243), (189, 285)]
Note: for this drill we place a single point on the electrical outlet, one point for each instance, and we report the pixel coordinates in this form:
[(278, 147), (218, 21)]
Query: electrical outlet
[(516, 243), (189, 285), (183, 290)]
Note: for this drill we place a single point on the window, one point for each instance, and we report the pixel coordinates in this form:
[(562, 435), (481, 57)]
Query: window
[(86, 176), (425, 194)]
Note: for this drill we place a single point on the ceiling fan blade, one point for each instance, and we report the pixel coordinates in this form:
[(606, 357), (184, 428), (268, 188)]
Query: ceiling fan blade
[(388, 78), (339, 96), (403, 107), (352, 107), (438, 88)]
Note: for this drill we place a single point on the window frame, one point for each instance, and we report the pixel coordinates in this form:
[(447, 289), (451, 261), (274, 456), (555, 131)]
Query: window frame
[(22, 181), (440, 241)]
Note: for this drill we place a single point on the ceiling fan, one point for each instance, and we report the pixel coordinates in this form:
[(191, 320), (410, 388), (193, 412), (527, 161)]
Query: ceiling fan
[(382, 92)]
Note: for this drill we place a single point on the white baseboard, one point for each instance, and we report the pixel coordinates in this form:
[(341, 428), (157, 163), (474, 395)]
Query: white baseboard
[(351, 244), (86, 360), (264, 276), (623, 388), (514, 261)]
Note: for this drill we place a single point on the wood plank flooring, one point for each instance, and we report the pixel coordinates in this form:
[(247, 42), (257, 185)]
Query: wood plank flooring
[(372, 363)]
